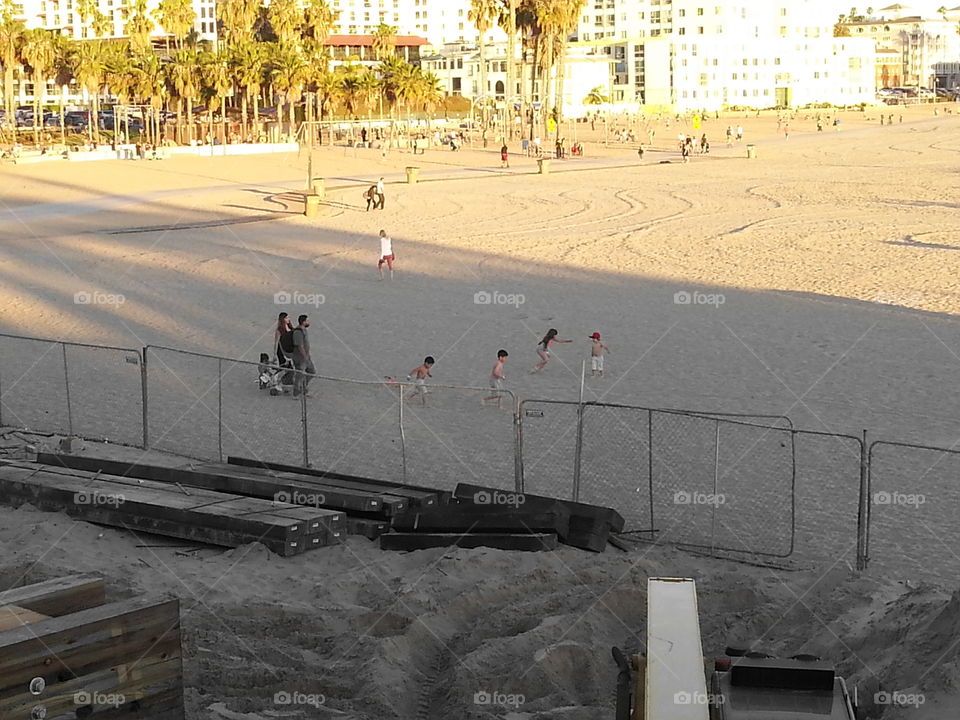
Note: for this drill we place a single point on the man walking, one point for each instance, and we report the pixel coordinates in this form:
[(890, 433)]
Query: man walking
[(301, 357), (380, 197)]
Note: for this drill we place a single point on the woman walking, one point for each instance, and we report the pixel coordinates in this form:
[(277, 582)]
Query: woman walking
[(543, 349), (283, 326)]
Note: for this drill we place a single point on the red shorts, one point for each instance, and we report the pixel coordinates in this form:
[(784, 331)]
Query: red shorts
[(388, 259)]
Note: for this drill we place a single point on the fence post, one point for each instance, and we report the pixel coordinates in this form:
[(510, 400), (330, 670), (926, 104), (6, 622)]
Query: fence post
[(863, 511), (716, 488), (303, 423), (144, 402), (650, 467), (517, 446), (403, 437), (66, 382), (578, 450), (220, 409)]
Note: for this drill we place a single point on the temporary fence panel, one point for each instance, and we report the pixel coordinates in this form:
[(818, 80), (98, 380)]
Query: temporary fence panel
[(828, 496), (33, 384), (106, 393), (354, 428), (615, 462), (914, 494), (548, 444), (183, 392), (450, 436)]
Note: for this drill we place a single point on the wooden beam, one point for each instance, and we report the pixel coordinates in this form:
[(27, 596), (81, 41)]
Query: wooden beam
[(12, 616), (58, 596), (502, 541)]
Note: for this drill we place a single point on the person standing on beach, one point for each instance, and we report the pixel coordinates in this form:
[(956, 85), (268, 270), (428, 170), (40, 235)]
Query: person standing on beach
[(284, 326), (371, 197), (543, 349), (739, 133), (420, 374), (640, 152), (497, 379), (386, 254), (380, 196), (597, 350), (301, 357), (504, 156)]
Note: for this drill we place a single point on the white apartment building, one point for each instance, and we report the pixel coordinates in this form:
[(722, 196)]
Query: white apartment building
[(927, 43), (440, 22), (62, 15)]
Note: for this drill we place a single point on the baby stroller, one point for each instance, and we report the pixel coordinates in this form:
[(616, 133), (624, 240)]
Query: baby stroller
[(274, 376)]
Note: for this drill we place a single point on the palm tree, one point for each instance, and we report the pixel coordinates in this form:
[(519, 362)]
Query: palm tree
[(568, 17), (176, 17), (11, 39), (508, 23), (64, 48), (384, 41), (39, 52), (247, 61), (216, 77), (285, 19), (482, 14), (139, 26), (319, 20), (596, 97), (89, 69), (184, 75), (150, 87), (237, 18), (288, 70), (121, 78)]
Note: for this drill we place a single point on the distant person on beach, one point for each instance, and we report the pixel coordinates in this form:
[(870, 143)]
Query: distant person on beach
[(497, 379), (284, 326), (380, 195), (729, 136), (739, 133), (543, 349), (371, 197), (504, 156), (597, 350), (420, 374), (640, 152), (386, 254), (301, 357)]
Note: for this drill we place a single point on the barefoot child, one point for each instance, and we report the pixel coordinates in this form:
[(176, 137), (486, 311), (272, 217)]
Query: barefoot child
[(386, 254), (543, 349), (420, 374), (597, 349), (496, 379)]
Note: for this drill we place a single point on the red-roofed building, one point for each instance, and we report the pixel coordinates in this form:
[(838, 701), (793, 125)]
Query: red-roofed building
[(359, 48)]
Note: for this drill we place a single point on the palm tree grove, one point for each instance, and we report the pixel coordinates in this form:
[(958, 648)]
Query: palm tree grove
[(270, 71)]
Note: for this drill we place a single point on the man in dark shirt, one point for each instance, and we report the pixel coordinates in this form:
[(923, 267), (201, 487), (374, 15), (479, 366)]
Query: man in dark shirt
[(301, 356)]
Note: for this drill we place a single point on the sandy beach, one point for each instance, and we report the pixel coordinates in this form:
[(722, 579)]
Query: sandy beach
[(818, 281)]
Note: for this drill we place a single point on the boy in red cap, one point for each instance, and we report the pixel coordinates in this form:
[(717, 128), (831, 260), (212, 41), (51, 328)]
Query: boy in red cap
[(597, 349)]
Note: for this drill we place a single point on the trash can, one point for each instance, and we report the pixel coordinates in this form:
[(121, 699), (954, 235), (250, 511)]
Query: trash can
[(751, 152), (311, 205), (544, 165), (319, 188), (413, 174)]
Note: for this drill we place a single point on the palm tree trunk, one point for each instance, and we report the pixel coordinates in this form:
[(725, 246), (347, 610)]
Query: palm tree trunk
[(36, 110), (483, 83), (256, 115), (243, 116), (223, 119), (63, 129), (189, 102), (511, 64)]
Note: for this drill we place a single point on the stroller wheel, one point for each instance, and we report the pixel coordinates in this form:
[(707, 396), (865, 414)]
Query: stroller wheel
[(274, 391)]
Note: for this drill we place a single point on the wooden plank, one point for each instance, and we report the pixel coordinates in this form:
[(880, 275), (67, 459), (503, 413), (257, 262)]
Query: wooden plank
[(611, 517), (367, 527), (236, 482), (674, 652), (471, 518), (12, 616), (58, 596), (502, 541), (133, 633), (172, 514), (419, 496)]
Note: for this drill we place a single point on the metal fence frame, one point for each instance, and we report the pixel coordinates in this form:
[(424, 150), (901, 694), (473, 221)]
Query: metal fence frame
[(518, 409)]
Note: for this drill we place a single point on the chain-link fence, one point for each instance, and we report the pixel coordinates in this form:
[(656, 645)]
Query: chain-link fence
[(913, 494), (71, 388)]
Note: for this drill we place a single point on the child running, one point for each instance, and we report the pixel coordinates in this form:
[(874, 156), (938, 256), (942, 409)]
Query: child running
[(420, 375), (597, 349), (543, 349), (496, 379)]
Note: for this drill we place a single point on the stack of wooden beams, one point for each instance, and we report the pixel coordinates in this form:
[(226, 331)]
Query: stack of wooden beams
[(480, 516), (66, 653)]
